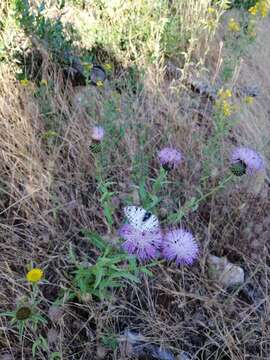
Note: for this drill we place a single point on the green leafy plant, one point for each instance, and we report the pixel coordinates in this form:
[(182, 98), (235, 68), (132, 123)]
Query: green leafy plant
[(51, 32), (109, 340), (150, 199), (246, 4), (105, 200), (40, 343), (111, 270), (25, 316)]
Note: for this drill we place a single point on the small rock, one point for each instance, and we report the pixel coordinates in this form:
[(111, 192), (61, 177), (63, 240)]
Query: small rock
[(255, 183), (156, 352), (184, 356), (203, 87), (247, 90), (138, 345), (97, 74), (224, 272)]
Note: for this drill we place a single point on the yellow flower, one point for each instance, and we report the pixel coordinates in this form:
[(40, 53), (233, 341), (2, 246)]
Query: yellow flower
[(108, 67), (249, 100), (211, 10), (44, 82), (211, 24), (225, 94), (253, 10), (87, 66), (264, 9), (34, 275), (226, 108), (233, 25), (100, 83), (24, 82)]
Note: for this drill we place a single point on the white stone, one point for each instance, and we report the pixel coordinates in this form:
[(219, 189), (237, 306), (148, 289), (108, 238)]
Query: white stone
[(225, 273)]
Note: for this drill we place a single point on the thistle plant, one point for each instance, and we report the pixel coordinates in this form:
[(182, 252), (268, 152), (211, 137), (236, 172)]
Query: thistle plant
[(246, 161), (170, 158), (27, 315), (181, 246)]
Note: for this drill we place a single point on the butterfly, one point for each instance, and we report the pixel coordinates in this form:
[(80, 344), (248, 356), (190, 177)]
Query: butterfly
[(140, 218)]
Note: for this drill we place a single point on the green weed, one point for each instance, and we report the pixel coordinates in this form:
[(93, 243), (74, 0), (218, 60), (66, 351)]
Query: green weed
[(25, 317), (110, 271)]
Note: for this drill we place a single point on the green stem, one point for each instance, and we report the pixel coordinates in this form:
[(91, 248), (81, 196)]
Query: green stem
[(220, 185), (194, 203)]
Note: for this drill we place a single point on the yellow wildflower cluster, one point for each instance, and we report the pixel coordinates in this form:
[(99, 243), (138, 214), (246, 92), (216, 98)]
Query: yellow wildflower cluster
[(100, 84), (211, 21), (226, 108), (24, 82), (223, 105), (249, 100), (225, 94), (262, 8), (87, 67), (108, 67), (44, 82), (211, 10), (234, 25)]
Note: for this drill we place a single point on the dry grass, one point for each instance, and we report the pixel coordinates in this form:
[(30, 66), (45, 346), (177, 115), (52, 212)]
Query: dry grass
[(49, 193)]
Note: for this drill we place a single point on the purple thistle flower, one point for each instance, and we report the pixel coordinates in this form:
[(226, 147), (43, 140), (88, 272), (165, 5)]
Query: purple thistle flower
[(246, 161), (143, 244), (98, 133), (181, 246), (170, 158)]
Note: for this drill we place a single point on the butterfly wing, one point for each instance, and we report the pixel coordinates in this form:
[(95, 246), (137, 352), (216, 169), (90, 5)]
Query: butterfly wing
[(140, 218), (134, 215), (151, 223)]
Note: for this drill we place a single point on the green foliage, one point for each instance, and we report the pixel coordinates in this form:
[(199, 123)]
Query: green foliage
[(33, 321), (111, 270), (50, 32), (109, 340), (144, 32), (237, 44), (105, 200), (150, 199), (193, 204), (245, 4), (40, 343)]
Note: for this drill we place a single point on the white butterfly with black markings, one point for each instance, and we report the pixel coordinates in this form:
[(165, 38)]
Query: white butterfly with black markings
[(141, 219)]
